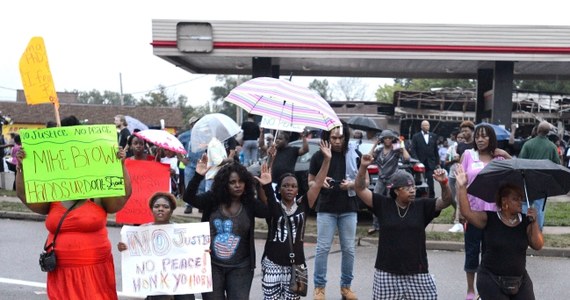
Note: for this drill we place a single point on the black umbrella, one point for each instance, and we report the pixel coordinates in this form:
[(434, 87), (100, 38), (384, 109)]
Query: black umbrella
[(539, 178), (363, 123)]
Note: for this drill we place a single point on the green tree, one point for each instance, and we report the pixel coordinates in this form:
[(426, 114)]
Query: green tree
[(321, 87), (385, 93), (550, 86), (159, 98), (108, 97), (217, 103), (423, 84)]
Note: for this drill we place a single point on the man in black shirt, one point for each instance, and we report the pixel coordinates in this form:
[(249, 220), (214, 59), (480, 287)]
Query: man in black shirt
[(283, 156), (250, 145), (336, 208), (123, 131)]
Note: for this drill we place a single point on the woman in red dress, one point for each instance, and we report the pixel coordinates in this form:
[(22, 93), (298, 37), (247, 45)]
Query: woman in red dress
[(85, 268)]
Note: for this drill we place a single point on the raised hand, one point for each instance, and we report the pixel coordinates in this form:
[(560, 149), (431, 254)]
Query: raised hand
[(271, 151), (366, 160), (202, 166), (460, 176), (440, 175), (265, 176), (326, 149)]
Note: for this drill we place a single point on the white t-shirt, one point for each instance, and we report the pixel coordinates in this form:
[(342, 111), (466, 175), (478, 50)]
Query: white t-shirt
[(172, 161)]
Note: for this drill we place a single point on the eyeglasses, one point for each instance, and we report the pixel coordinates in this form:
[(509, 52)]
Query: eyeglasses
[(410, 188)]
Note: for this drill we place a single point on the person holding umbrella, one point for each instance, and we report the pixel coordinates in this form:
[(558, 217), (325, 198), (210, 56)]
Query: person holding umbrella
[(473, 161), (507, 234), (276, 260), (401, 268)]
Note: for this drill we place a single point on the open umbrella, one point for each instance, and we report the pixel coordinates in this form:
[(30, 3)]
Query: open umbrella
[(133, 124), (501, 133), (363, 123), (162, 139), (215, 125), (285, 101), (539, 178)]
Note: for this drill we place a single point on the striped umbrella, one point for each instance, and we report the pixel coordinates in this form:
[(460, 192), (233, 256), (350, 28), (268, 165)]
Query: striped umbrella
[(291, 104)]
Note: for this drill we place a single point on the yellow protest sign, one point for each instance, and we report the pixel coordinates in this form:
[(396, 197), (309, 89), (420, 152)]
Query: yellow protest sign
[(36, 75), (69, 163)]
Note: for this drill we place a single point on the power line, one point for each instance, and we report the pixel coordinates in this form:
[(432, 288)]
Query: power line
[(7, 88), (141, 92), (168, 86)]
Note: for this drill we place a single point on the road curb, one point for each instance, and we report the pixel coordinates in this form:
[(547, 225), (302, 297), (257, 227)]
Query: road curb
[(311, 238)]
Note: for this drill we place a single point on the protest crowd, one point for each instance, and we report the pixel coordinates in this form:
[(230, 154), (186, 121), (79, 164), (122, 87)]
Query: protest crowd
[(149, 178)]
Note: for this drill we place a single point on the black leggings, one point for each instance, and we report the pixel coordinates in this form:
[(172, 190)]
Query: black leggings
[(489, 290)]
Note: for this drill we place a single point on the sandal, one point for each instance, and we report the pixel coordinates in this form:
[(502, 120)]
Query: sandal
[(470, 296)]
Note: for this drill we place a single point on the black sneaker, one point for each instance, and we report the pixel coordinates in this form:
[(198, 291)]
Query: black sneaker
[(188, 210)]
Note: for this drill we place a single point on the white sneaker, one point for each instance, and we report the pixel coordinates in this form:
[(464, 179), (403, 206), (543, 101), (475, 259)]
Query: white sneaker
[(456, 228)]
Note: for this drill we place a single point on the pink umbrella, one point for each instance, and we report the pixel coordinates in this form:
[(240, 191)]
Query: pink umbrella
[(162, 139), (281, 99)]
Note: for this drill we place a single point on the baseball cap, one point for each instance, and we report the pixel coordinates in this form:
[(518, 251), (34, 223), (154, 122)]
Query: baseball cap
[(401, 178)]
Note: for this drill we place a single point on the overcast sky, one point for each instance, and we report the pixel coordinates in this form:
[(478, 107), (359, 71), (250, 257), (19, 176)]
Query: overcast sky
[(89, 43)]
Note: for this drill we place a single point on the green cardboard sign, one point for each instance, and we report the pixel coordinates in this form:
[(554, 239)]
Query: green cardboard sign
[(69, 163)]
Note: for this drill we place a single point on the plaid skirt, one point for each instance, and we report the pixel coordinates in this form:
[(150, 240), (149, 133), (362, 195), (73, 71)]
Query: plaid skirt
[(394, 286)]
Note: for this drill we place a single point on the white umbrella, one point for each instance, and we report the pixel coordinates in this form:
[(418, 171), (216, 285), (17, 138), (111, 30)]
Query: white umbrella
[(215, 125), (133, 124)]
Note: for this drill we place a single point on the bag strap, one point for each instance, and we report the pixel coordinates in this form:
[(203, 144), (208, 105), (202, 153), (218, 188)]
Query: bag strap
[(289, 236), (52, 245)]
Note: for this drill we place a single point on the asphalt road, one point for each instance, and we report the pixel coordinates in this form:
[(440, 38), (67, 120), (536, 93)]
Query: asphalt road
[(21, 278)]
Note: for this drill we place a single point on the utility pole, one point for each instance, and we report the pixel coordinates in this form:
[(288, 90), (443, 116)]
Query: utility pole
[(121, 96)]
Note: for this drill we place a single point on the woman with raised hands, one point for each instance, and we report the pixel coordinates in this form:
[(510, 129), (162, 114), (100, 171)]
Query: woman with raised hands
[(230, 207), (276, 263), (507, 234), (401, 269)]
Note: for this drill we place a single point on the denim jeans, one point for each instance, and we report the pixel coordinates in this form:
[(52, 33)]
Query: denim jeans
[(474, 245), (539, 205), (230, 283), (327, 223), (249, 152)]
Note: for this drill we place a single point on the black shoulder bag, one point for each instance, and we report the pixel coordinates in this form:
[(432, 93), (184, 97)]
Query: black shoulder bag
[(299, 273), (48, 261)]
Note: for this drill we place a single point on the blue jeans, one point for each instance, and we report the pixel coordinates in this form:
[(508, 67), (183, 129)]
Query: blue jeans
[(249, 152), (539, 205), (327, 223), (474, 246), (230, 283), (188, 174)]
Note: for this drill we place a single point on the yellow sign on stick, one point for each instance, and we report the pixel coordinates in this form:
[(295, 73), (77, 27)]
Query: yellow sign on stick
[(36, 75)]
